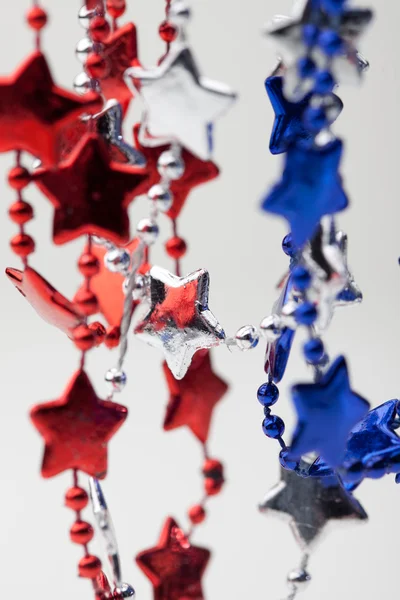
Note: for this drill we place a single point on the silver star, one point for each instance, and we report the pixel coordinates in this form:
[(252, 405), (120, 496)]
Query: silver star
[(309, 503), (179, 320), (180, 103), (351, 294)]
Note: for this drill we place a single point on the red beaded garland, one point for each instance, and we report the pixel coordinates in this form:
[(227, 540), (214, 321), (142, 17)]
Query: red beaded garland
[(99, 332), (89, 567), (112, 338), (76, 498), (84, 338), (22, 244), (81, 532), (36, 18), (168, 32), (115, 8), (176, 247), (89, 264), (18, 178), (87, 301), (99, 29), (20, 212), (196, 514), (96, 66)]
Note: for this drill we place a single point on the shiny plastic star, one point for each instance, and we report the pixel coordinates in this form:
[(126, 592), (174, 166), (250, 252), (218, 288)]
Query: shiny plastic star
[(49, 304), (309, 503), (174, 566), (91, 193), (76, 429), (310, 188), (179, 320), (327, 410), (33, 109), (180, 103), (193, 398)]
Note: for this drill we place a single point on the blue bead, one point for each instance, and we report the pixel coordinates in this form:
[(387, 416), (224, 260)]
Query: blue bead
[(273, 426), (268, 394), (301, 278), (306, 67), (306, 314), (324, 83), (310, 34), (314, 118), (288, 246), (330, 42), (333, 7), (313, 350), (286, 463), (397, 479)]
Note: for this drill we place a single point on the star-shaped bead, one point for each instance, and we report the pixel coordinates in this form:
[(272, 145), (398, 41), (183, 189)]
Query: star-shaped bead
[(76, 429), (310, 188), (33, 109), (91, 193), (309, 503), (196, 173), (179, 320), (193, 398), (174, 567), (327, 410), (49, 304), (180, 103)]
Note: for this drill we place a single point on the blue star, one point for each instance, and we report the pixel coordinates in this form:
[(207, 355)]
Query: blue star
[(311, 187), (288, 126), (327, 410)]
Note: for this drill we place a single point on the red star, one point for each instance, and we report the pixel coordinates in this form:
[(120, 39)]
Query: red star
[(33, 109), (91, 193), (193, 398), (174, 567), (196, 173), (76, 429), (52, 306)]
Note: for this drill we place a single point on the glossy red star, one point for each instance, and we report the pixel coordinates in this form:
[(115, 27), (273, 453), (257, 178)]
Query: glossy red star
[(196, 173), (91, 193), (174, 566), (52, 306), (33, 109), (76, 429), (193, 398)]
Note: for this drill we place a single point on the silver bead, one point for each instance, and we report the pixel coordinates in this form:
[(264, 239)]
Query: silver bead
[(125, 591), (271, 327), (141, 286), (299, 577), (84, 16), (161, 195), (83, 48), (116, 379), (147, 231), (247, 337), (117, 260), (82, 83), (170, 165)]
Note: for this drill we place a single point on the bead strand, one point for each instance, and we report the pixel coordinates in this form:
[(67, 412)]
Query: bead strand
[(20, 212)]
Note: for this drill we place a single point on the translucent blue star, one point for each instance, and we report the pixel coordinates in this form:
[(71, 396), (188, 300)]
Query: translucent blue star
[(310, 188), (327, 411)]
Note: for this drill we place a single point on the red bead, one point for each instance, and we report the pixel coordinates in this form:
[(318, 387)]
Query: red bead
[(99, 29), (96, 66), (212, 487), (214, 477), (176, 247), (112, 338), (84, 338), (99, 332), (20, 212), (18, 178), (88, 264), (86, 301), (212, 467), (36, 18), (22, 244), (196, 514), (76, 498), (81, 532), (116, 8), (89, 567), (167, 32)]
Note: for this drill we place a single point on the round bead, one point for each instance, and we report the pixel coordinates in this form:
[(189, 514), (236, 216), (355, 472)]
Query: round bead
[(112, 337), (268, 394), (170, 165), (212, 487), (299, 577), (273, 426), (397, 478), (36, 18), (82, 83), (286, 463), (20, 212), (88, 264), (124, 591), (81, 532), (115, 8), (306, 314), (306, 67), (76, 498), (167, 32), (212, 468), (99, 332), (310, 34), (89, 567), (330, 42), (247, 337), (196, 514), (147, 231), (99, 29), (315, 118), (96, 66), (84, 338), (288, 246), (116, 379), (162, 197), (313, 350), (271, 327), (18, 178), (83, 48), (301, 278), (176, 247), (22, 244), (85, 15), (324, 83), (87, 302), (117, 260)]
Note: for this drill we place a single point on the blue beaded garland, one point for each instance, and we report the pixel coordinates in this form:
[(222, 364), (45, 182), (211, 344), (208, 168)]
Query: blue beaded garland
[(286, 463), (330, 42), (310, 34), (268, 394), (288, 246), (306, 67), (306, 314), (324, 83), (301, 278), (313, 350), (333, 7), (315, 118), (273, 426)]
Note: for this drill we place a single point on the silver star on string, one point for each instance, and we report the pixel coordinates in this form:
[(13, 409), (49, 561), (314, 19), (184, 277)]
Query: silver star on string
[(309, 503), (179, 320), (181, 104)]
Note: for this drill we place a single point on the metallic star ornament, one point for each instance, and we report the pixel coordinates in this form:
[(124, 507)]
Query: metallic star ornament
[(76, 429), (180, 103), (33, 109), (309, 503), (174, 567), (179, 320), (49, 304), (351, 293)]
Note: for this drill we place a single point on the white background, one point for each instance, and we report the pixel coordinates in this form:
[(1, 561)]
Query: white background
[(153, 474)]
